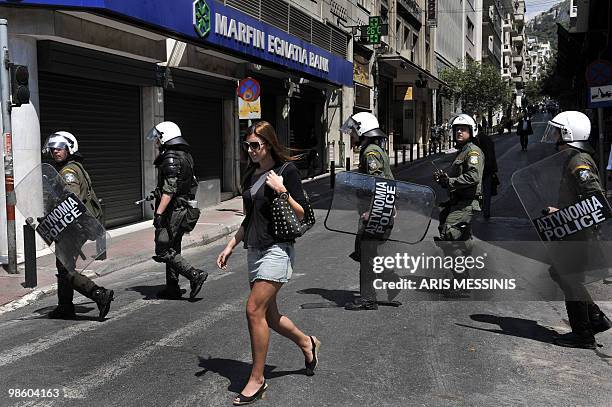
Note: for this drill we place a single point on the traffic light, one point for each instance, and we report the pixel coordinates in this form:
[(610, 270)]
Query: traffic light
[(20, 93)]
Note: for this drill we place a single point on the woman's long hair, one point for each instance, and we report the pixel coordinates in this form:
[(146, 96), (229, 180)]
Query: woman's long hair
[(266, 132)]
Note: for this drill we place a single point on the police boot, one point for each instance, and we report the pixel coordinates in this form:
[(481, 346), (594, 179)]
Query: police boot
[(103, 298), (197, 279), (583, 340), (361, 305), (172, 290), (62, 311), (600, 323)]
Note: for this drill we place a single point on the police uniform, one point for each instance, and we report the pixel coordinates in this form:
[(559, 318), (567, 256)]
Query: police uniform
[(464, 184), (580, 180), (373, 160), (176, 178), (77, 181)]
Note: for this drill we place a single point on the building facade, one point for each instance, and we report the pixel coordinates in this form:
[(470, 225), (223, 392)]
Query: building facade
[(108, 73)]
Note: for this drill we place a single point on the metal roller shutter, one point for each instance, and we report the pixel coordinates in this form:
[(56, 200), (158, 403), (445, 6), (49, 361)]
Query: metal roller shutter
[(200, 120), (105, 118)]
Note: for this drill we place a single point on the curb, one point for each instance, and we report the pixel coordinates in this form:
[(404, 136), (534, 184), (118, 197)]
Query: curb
[(112, 266)]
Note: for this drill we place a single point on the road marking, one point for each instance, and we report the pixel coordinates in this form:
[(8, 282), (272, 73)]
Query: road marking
[(42, 344), (115, 368)]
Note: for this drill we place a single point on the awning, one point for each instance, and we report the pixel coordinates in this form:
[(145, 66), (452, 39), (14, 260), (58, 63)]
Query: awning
[(408, 71)]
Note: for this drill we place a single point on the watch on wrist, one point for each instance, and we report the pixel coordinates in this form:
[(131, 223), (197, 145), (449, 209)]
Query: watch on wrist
[(284, 195)]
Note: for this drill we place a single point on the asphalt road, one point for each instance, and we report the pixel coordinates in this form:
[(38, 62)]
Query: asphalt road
[(434, 352)]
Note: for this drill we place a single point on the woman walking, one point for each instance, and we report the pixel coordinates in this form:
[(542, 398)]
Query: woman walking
[(270, 261)]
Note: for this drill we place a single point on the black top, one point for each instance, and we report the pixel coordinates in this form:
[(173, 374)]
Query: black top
[(488, 149), (258, 220)]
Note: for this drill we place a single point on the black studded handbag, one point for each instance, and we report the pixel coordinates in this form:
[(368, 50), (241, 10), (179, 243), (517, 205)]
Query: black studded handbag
[(285, 224)]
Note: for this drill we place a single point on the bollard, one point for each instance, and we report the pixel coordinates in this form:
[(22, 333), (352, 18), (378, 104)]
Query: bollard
[(411, 152), (29, 252), (396, 156), (101, 241), (348, 163), (332, 174), (403, 154)]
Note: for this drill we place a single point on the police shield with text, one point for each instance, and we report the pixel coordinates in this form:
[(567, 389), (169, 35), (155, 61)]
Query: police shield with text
[(375, 208), (176, 211), (67, 217), (564, 199)]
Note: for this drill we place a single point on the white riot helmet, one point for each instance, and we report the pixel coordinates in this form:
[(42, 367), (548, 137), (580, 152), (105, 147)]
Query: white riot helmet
[(571, 128), (364, 124), (464, 119), (61, 139), (168, 133)]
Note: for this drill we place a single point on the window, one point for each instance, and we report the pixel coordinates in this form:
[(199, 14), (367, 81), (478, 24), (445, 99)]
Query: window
[(414, 54), (406, 43), (470, 30)]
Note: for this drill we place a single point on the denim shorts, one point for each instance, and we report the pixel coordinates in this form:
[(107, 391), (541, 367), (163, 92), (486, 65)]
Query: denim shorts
[(274, 263)]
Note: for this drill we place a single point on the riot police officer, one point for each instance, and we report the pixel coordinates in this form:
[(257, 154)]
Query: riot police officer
[(68, 161), (373, 160), (464, 182), (571, 130), (174, 208)]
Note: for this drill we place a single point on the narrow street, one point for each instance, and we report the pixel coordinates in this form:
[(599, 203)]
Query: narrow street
[(151, 352)]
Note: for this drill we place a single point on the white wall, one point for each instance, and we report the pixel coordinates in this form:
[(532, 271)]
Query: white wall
[(26, 135)]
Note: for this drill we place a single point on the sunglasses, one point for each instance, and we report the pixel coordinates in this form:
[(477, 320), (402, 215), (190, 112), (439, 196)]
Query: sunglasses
[(253, 145)]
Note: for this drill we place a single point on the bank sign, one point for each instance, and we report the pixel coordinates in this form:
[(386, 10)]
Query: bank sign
[(210, 22)]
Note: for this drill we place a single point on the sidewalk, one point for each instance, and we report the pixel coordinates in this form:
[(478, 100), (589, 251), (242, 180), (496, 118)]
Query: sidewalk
[(133, 244)]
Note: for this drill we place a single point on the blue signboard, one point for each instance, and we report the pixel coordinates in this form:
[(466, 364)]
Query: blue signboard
[(210, 22)]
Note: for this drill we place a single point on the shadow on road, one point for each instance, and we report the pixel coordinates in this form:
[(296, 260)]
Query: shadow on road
[(339, 297), (79, 309), (237, 372), (519, 327), (149, 292)]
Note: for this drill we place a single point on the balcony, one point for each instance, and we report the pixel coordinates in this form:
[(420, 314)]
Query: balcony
[(519, 19), (506, 25), (518, 39), (411, 8), (517, 60), (518, 79)]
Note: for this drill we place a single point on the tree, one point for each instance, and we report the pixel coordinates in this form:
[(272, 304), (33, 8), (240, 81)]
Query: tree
[(479, 87)]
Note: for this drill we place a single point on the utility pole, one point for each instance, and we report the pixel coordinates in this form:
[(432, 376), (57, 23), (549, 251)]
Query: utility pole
[(9, 181)]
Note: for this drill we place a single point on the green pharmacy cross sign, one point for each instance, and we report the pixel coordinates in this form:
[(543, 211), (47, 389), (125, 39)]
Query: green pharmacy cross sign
[(201, 18), (374, 30)]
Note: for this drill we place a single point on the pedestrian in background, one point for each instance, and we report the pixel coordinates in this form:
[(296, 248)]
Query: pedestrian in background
[(524, 130), (270, 261), (489, 174)]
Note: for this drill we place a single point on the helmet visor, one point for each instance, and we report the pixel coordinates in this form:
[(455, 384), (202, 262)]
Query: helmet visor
[(55, 141), (349, 126), (154, 134), (552, 134)]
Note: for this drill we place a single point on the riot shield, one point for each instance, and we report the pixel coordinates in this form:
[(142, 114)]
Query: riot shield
[(380, 208), (59, 217), (573, 222)]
